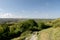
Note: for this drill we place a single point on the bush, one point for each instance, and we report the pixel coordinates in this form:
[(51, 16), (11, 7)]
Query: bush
[(56, 23)]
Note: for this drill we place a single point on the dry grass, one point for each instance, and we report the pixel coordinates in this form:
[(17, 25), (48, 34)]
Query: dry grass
[(50, 34)]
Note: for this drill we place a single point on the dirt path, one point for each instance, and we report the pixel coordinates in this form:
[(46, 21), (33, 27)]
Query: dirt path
[(32, 37)]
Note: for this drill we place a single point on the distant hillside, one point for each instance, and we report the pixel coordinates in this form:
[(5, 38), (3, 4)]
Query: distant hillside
[(3, 20)]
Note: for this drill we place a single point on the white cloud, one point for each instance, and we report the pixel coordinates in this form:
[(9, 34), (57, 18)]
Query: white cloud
[(9, 15)]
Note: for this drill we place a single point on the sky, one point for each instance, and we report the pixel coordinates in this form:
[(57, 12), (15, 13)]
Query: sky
[(29, 8)]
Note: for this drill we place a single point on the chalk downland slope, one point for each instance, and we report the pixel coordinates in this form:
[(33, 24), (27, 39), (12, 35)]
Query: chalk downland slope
[(50, 34), (46, 34)]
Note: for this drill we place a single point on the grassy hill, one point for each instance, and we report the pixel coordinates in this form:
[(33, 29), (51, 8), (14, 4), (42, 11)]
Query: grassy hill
[(52, 33), (30, 29), (49, 34), (46, 34)]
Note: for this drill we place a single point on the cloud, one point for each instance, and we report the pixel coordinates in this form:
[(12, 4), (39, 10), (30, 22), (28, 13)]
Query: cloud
[(9, 15), (4, 14)]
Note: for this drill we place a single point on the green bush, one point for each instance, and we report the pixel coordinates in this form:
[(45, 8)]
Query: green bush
[(56, 23), (1, 30), (9, 31)]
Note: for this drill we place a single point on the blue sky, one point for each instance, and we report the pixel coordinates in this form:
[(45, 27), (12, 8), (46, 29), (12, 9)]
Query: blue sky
[(29, 8)]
